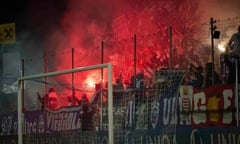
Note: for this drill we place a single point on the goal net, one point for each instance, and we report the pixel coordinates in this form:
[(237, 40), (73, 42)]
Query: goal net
[(66, 106), (151, 114), (85, 107)]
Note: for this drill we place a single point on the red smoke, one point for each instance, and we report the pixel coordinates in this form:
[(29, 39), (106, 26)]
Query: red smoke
[(85, 24)]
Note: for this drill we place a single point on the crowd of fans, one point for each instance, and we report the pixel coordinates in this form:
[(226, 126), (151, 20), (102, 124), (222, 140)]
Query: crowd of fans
[(50, 102), (141, 88), (200, 79)]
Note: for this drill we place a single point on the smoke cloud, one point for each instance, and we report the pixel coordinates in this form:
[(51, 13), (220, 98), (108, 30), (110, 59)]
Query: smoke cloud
[(83, 25), (219, 9)]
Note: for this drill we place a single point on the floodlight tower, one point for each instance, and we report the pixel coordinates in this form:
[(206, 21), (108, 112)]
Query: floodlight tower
[(214, 35)]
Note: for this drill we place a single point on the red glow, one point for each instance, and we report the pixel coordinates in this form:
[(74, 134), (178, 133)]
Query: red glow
[(90, 82), (86, 24)]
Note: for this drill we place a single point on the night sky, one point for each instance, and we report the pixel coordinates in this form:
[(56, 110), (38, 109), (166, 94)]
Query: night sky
[(31, 16), (14, 11)]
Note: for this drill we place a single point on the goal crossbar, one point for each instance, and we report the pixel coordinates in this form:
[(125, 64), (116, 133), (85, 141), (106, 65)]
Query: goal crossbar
[(42, 75)]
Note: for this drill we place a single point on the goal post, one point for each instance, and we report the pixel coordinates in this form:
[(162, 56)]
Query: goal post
[(69, 71)]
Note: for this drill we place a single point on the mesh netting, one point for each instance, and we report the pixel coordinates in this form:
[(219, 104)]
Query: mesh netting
[(151, 105)]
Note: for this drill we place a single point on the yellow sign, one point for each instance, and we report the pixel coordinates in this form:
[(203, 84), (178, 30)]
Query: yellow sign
[(7, 33)]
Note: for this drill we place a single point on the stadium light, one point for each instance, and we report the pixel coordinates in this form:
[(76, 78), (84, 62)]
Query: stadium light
[(221, 48), (214, 35)]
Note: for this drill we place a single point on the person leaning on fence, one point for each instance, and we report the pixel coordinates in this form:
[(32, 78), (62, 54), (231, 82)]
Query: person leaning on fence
[(234, 42), (229, 61), (140, 88), (49, 101), (86, 114), (53, 99), (43, 100), (117, 92), (211, 77), (73, 100), (197, 77), (232, 54)]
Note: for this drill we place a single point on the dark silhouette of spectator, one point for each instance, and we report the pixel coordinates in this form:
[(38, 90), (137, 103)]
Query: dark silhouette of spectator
[(73, 100), (140, 88), (234, 42), (100, 93), (197, 77), (84, 100), (86, 114), (233, 53), (229, 60), (210, 76), (43, 100), (161, 82), (49, 101), (130, 85), (53, 101), (117, 91)]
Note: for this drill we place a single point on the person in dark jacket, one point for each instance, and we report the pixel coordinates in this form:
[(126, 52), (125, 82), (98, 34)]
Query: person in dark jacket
[(229, 60), (210, 76), (197, 80)]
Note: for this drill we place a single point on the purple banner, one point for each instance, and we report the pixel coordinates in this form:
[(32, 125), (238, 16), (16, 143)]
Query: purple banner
[(35, 122)]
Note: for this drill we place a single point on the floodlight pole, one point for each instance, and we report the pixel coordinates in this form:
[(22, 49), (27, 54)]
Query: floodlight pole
[(73, 77), (135, 59), (135, 65), (102, 58), (23, 73), (20, 116), (101, 85), (45, 71), (212, 44), (170, 57), (236, 91)]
